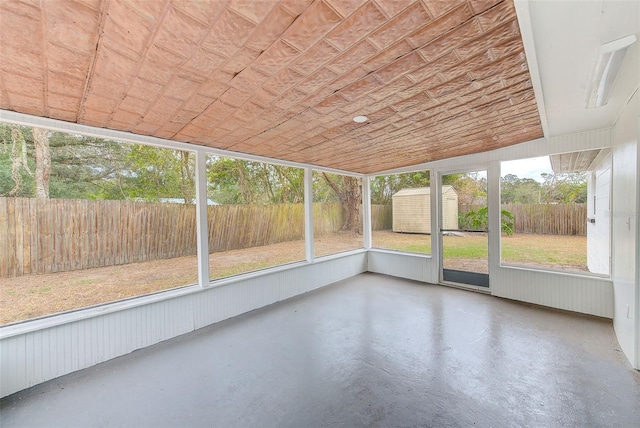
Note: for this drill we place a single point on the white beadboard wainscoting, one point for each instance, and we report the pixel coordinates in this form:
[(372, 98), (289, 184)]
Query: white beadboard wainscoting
[(409, 266), (572, 292), (36, 351)]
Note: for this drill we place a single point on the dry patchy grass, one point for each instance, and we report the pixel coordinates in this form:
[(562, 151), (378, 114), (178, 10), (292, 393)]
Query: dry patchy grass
[(37, 295), (33, 296)]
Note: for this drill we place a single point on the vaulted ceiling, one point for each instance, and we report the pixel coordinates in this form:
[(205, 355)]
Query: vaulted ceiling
[(278, 78)]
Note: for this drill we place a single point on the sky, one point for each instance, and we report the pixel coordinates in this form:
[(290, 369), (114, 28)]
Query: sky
[(527, 168)]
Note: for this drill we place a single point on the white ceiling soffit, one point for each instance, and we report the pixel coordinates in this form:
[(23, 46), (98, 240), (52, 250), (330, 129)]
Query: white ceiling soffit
[(567, 36), (574, 161)]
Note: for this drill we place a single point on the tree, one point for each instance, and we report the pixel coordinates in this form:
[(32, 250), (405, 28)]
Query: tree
[(236, 181), (564, 188), (514, 190), (87, 167), (20, 163), (43, 162), (508, 184), (187, 180), (291, 184), (555, 188), (349, 192), (78, 166), (12, 184), (384, 187), (152, 173), (471, 187)]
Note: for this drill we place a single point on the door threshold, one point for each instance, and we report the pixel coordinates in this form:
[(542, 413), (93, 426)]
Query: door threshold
[(476, 288), (465, 277)]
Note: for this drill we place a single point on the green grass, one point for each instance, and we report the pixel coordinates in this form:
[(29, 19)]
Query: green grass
[(459, 250), (544, 250), (543, 255), (517, 254), (464, 250), (425, 249)]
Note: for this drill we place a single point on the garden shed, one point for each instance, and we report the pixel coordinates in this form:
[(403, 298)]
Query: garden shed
[(412, 210)]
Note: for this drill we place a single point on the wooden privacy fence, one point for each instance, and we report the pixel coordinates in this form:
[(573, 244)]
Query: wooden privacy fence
[(234, 227), (381, 217), (40, 236), (55, 235), (546, 219)]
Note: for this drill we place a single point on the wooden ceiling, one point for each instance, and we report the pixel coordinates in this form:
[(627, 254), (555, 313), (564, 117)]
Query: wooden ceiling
[(278, 78)]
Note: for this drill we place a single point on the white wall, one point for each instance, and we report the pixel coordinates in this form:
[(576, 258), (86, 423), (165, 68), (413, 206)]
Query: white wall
[(410, 266), (625, 229), (599, 209)]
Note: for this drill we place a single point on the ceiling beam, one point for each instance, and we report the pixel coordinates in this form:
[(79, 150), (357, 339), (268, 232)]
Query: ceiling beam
[(526, 31)]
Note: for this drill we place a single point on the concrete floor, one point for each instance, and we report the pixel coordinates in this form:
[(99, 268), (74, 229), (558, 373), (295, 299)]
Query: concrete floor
[(369, 351)]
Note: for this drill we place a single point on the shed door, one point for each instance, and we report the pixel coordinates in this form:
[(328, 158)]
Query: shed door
[(464, 229)]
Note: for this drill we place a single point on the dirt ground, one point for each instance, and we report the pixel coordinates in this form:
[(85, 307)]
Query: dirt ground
[(38, 295), (33, 296)]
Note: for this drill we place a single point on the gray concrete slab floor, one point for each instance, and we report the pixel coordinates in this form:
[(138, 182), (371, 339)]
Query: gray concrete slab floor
[(369, 351)]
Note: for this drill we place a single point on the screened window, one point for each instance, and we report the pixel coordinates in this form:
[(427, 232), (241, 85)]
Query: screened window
[(337, 213), (555, 211), (255, 215), (85, 221), (401, 212)]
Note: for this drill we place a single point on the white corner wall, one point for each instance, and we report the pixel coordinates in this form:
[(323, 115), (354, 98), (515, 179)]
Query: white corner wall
[(625, 223), (599, 210), (403, 265), (32, 353)]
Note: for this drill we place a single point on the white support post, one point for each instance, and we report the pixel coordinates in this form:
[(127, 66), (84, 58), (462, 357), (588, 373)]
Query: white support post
[(436, 221), (495, 217), (202, 218), (308, 214), (366, 212)]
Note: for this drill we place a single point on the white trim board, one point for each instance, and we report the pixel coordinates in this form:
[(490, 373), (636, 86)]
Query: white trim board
[(12, 117), (592, 139)]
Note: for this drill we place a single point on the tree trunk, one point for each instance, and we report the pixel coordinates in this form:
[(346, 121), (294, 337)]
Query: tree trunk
[(43, 162), (350, 194), (351, 203), (18, 146), (187, 182)]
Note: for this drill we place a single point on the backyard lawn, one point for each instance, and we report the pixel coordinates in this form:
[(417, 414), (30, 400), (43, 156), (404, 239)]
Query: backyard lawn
[(37, 295), (552, 251)]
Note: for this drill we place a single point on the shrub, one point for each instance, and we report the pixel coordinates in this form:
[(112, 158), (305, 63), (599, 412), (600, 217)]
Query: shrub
[(479, 219)]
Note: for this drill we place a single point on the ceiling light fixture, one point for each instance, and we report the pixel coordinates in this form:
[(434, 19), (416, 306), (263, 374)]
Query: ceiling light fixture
[(606, 70), (360, 119)]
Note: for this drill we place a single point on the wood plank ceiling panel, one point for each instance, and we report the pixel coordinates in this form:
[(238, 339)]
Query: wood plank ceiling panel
[(279, 78)]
